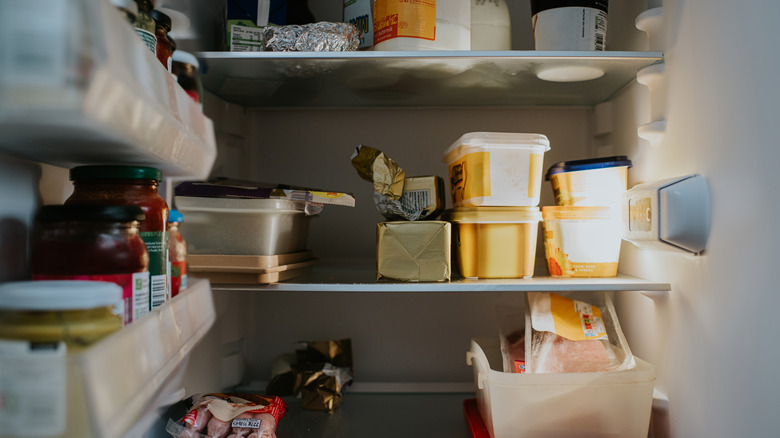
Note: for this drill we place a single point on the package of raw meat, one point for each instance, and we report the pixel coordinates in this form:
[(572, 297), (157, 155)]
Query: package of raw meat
[(568, 335), (219, 415)]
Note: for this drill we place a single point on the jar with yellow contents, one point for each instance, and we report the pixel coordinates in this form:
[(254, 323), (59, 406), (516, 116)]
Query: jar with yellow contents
[(78, 313)]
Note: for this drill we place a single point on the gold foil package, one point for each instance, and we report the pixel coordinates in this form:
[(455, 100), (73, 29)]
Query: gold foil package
[(413, 251)]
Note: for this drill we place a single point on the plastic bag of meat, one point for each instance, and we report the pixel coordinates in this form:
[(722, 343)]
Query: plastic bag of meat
[(230, 416), (568, 335)]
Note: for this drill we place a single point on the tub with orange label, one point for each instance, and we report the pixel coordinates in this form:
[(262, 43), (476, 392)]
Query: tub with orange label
[(498, 169), (581, 241)]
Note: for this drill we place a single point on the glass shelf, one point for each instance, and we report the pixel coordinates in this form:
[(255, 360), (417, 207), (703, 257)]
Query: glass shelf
[(433, 78)]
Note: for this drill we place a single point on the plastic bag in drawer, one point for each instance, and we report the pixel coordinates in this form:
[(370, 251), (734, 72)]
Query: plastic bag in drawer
[(568, 335)]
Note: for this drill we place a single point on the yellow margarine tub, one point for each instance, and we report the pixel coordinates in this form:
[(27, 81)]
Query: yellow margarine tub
[(496, 169), (581, 241), (496, 242), (78, 313)]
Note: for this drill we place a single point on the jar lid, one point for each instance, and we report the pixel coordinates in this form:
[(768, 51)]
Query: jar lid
[(59, 295), (175, 216), (185, 58), (588, 164), (162, 19), (93, 213), (115, 172)]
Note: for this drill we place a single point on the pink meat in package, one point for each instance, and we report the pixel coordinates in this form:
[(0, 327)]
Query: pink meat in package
[(230, 416)]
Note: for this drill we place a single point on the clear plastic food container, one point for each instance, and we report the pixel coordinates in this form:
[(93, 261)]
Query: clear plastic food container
[(499, 169)]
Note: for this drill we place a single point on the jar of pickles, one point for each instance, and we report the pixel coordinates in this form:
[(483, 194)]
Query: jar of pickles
[(131, 185), (78, 313), (100, 243)]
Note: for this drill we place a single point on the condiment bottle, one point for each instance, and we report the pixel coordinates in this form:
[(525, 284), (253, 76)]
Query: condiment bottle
[(131, 185), (164, 49), (185, 67), (177, 253), (100, 243), (78, 313), (144, 24)]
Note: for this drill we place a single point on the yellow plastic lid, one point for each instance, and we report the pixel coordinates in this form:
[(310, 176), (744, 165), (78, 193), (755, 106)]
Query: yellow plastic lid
[(494, 215), (576, 212)]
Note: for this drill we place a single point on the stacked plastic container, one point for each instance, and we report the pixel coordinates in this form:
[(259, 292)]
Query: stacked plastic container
[(581, 232), (496, 180)]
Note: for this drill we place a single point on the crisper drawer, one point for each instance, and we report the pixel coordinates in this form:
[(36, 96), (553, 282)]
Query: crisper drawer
[(585, 405)]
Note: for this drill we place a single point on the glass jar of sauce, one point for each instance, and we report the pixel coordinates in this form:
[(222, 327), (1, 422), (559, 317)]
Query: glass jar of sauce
[(185, 67), (78, 313), (131, 185), (99, 243), (144, 24), (177, 253), (164, 48)]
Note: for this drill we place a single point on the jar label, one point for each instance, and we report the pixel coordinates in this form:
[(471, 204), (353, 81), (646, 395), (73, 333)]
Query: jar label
[(157, 246), (148, 38), (34, 399), (178, 277), (135, 291), (394, 18)]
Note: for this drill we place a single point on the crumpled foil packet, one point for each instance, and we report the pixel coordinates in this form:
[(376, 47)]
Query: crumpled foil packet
[(323, 36), (321, 371)]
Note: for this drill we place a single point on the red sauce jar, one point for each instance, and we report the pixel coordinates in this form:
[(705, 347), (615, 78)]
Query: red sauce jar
[(131, 185), (164, 48), (98, 243), (177, 253)]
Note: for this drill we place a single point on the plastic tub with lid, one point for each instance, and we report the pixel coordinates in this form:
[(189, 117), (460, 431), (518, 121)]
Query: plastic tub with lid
[(495, 242), (240, 226), (78, 313), (500, 169), (594, 182), (581, 241)]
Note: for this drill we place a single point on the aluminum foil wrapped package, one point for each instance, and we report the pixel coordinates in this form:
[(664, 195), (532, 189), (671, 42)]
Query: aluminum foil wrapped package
[(323, 36)]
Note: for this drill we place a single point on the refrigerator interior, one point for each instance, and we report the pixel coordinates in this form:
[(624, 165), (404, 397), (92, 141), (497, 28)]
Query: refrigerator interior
[(717, 107)]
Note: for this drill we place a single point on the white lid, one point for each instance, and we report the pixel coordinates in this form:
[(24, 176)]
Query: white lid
[(59, 295), (499, 139), (185, 57)]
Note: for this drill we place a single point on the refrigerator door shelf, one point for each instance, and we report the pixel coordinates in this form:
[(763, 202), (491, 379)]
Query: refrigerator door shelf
[(671, 214), (80, 87)]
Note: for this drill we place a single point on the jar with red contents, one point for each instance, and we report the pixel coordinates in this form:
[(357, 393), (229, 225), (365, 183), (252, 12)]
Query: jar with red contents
[(131, 185), (177, 253), (164, 48), (98, 243)]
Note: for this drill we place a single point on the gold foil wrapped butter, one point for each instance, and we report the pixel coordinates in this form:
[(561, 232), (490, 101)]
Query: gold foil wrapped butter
[(413, 251)]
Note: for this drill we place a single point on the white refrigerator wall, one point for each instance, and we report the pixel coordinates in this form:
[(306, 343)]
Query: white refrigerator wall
[(713, 339)]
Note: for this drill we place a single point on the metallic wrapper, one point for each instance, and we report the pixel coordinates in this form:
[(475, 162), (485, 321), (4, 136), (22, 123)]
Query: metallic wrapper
[(413, 251), (316, 37)]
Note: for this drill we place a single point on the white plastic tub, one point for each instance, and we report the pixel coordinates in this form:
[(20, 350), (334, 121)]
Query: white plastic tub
[(243, 226), (499, 169), (583, 405), (593, 182), (581, 241)]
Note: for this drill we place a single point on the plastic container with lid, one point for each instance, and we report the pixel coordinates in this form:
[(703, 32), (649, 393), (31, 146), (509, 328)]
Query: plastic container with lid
[(177, 253), (243, 226), (581, 241), (594, 182), (78, 313), (432, 25), (500, 169), (495, 242), (99, 243), (131, 185)]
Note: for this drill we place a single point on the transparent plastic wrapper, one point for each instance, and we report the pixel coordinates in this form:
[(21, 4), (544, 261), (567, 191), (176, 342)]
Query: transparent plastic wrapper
[(218, 415), (323, 36), (568, 335), (512, 337)]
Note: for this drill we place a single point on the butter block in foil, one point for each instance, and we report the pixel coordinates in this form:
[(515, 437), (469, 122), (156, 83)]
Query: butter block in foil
[(323, 36)]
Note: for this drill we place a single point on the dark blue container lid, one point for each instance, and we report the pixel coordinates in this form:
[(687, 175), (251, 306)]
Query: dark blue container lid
[(587, 164)]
